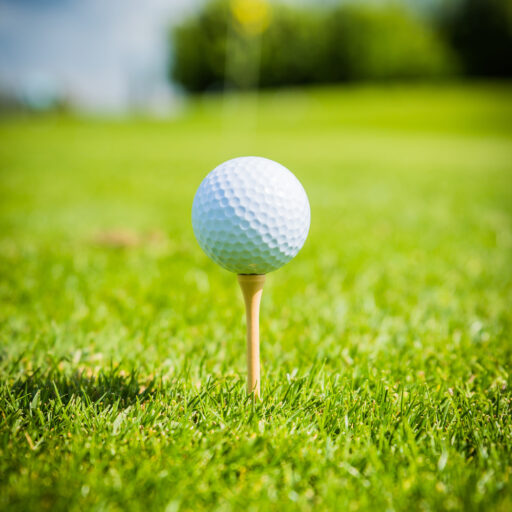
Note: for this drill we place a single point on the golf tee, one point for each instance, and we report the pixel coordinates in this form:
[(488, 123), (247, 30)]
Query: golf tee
[(252, 288)]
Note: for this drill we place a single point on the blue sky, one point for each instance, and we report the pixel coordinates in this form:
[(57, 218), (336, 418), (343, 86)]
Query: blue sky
[(102, 54)]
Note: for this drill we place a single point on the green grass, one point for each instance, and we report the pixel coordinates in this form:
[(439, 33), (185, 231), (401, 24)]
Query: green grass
[(386, 345)]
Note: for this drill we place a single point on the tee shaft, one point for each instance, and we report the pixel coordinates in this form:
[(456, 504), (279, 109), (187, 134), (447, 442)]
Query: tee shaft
[(252, 288)]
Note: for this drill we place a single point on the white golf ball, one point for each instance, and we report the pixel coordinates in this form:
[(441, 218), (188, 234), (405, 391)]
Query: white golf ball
[(251, 215)]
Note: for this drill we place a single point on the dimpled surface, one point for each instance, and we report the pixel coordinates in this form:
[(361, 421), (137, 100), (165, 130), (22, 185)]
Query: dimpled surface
[(251, 215)]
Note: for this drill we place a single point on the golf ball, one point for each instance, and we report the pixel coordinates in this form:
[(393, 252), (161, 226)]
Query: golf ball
[(251, 215)]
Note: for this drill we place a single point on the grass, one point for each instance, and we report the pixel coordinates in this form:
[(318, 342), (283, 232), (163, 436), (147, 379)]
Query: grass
[(386, 345)]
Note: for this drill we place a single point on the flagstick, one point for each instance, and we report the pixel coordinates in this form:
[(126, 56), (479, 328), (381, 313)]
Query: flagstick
[(252, 288)]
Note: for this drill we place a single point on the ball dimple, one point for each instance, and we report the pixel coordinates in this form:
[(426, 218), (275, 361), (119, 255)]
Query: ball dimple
[(251, 215)]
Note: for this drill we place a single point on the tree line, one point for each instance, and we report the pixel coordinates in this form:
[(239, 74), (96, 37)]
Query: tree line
[(246, 44)]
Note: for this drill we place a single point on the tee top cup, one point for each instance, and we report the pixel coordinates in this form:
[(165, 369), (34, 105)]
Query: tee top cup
[(251, 215)]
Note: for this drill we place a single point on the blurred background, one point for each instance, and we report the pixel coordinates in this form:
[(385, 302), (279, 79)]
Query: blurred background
[(121, 56), (396, 117)]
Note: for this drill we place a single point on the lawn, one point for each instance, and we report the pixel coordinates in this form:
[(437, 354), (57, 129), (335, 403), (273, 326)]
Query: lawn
[(386, 343)]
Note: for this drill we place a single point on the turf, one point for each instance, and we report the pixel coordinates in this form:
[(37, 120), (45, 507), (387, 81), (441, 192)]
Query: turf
[(386, 345)]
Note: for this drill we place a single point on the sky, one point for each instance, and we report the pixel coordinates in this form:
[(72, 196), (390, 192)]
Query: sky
[(100, 54)]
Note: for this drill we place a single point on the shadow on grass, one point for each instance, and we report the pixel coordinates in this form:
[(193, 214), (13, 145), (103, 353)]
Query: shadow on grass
[(107, 387)]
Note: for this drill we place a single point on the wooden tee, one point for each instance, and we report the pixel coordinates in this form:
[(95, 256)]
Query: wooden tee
[(252, 288)]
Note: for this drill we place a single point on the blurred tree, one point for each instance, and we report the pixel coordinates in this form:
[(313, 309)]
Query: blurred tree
[(388, 42), (293, 48), (481, 33), (199, 47)]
